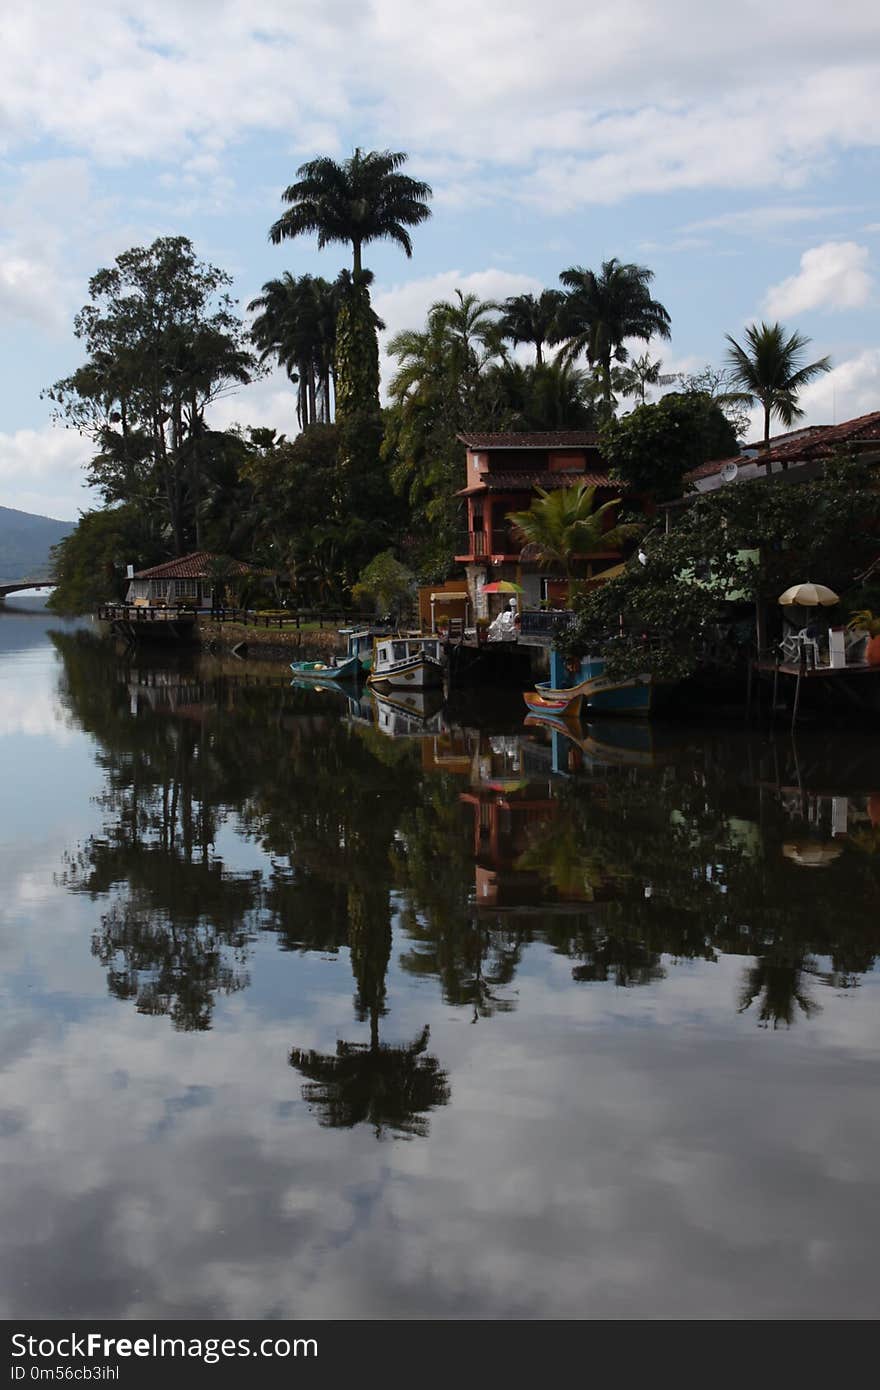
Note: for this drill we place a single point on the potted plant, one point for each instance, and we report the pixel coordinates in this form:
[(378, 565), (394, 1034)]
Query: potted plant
[(442, 624), (865, 621)]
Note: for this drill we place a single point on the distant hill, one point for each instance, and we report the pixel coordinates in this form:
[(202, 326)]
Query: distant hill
[(25, 542)]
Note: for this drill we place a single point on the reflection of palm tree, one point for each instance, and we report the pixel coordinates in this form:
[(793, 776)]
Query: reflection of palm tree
[(777, 982), (388, 1087), (622, 959)]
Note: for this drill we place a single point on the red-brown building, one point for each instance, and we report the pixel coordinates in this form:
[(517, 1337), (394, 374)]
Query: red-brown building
[(503, 471)]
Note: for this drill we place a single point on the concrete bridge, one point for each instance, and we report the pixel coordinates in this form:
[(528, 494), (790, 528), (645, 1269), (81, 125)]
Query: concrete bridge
[(15, 586)]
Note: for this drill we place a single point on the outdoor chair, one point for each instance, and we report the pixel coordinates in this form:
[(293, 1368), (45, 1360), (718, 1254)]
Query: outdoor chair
[(800, 644)]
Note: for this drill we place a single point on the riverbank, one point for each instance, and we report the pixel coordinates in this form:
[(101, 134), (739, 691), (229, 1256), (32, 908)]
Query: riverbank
[(269, 644)]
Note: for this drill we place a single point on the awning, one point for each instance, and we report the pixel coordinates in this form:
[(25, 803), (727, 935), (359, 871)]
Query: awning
[(461, 598)]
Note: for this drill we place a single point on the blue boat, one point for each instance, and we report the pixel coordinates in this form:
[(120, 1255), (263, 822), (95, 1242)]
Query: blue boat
[(322, 671), (631, 695)]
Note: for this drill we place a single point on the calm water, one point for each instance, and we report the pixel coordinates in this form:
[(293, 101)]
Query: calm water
[(309, 1015)]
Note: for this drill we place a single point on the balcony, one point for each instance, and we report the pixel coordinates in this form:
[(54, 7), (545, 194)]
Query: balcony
[(475, 545)]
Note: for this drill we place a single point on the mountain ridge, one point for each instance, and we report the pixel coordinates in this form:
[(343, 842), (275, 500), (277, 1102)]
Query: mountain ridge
[(25, 541)]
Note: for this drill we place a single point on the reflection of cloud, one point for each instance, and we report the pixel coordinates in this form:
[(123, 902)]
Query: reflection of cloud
[(591, 1162), (37, 716)]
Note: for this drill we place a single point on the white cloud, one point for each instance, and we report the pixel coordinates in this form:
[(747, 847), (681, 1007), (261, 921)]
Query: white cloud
[(41, 471), (596, 99), (406, 305), (850, 389), (832, 276)]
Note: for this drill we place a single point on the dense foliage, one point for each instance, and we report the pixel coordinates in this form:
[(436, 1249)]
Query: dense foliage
[(162, 343), (654, 446), (738, 545)]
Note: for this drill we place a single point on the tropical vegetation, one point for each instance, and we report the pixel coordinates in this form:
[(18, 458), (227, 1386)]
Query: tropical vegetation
[(769, 371)]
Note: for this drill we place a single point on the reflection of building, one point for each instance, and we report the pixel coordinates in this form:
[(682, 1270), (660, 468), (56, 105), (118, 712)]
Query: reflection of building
[(514, 809)]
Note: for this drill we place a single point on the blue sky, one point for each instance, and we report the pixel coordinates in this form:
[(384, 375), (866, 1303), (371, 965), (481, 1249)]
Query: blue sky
[(733, 148)]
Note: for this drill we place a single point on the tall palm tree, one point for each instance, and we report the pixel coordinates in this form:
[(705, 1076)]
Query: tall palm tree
[(526, 319), (565, 523), (601, 311), (296, 324), (770, 371), (363, 199)]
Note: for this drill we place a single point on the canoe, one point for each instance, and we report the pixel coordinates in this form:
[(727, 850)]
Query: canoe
[(632, 695), (561, 703), (321, 671)]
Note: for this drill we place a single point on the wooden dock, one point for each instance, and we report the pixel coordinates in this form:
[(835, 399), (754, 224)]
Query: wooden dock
[(837, 689)]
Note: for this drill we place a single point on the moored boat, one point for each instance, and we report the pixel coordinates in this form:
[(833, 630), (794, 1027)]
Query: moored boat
[(564, 704), (359, 643), (323, 671), (407, 662), (600, 693)]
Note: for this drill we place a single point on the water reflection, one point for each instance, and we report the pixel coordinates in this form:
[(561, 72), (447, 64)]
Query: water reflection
[(665, 939), (625, 848)]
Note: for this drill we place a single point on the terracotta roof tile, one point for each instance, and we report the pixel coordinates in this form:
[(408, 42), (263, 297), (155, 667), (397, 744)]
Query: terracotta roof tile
[(198, 565), (808, 445), (550, 439)]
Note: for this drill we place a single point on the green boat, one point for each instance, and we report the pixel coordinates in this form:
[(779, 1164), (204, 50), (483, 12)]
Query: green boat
[(322, 671)]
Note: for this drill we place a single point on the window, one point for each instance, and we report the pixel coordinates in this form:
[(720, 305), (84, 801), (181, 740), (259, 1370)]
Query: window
[(185, 588)]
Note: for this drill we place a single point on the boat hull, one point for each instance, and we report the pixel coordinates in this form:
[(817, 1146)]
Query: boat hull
[(418, 674), (320, 671), (565, 705)]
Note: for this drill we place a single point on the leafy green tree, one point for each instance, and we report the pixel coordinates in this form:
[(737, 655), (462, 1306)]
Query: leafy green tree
[(385, 581), (653, 447), (162, 343), (89, 565), (565, 524), (365, 198), (601, 311), (527, 318), (769, 371), (745, 543)]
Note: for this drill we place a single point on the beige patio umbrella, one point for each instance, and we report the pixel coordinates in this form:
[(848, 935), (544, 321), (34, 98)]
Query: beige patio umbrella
[(809, 596)]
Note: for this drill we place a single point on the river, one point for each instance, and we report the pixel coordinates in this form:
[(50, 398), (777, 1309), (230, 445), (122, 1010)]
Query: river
[(309, 1013)]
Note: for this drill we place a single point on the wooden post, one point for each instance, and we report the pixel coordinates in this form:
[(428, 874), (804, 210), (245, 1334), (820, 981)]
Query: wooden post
[(797, 689)]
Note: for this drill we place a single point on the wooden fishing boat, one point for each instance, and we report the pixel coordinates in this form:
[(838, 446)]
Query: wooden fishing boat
[(359, 643), (414, 663), (566, 705), (601, 694), (323, 671)]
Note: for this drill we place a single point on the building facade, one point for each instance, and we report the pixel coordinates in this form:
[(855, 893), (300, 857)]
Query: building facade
[(502, 473)]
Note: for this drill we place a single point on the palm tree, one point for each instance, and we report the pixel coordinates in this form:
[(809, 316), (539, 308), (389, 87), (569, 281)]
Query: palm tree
[(770, 371), (526, 319), (362, 199), (642, 372), (601, 311), (540, 396), (563, 524), (296, 324)]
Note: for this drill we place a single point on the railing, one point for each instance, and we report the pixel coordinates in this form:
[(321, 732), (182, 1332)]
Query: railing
[(476, 544), (244, 617), (539, 622)]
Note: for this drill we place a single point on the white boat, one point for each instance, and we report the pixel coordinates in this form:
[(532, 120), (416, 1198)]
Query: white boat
[(409, 663)]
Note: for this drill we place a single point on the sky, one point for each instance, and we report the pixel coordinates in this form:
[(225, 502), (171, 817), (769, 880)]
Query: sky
[(733, 148)]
